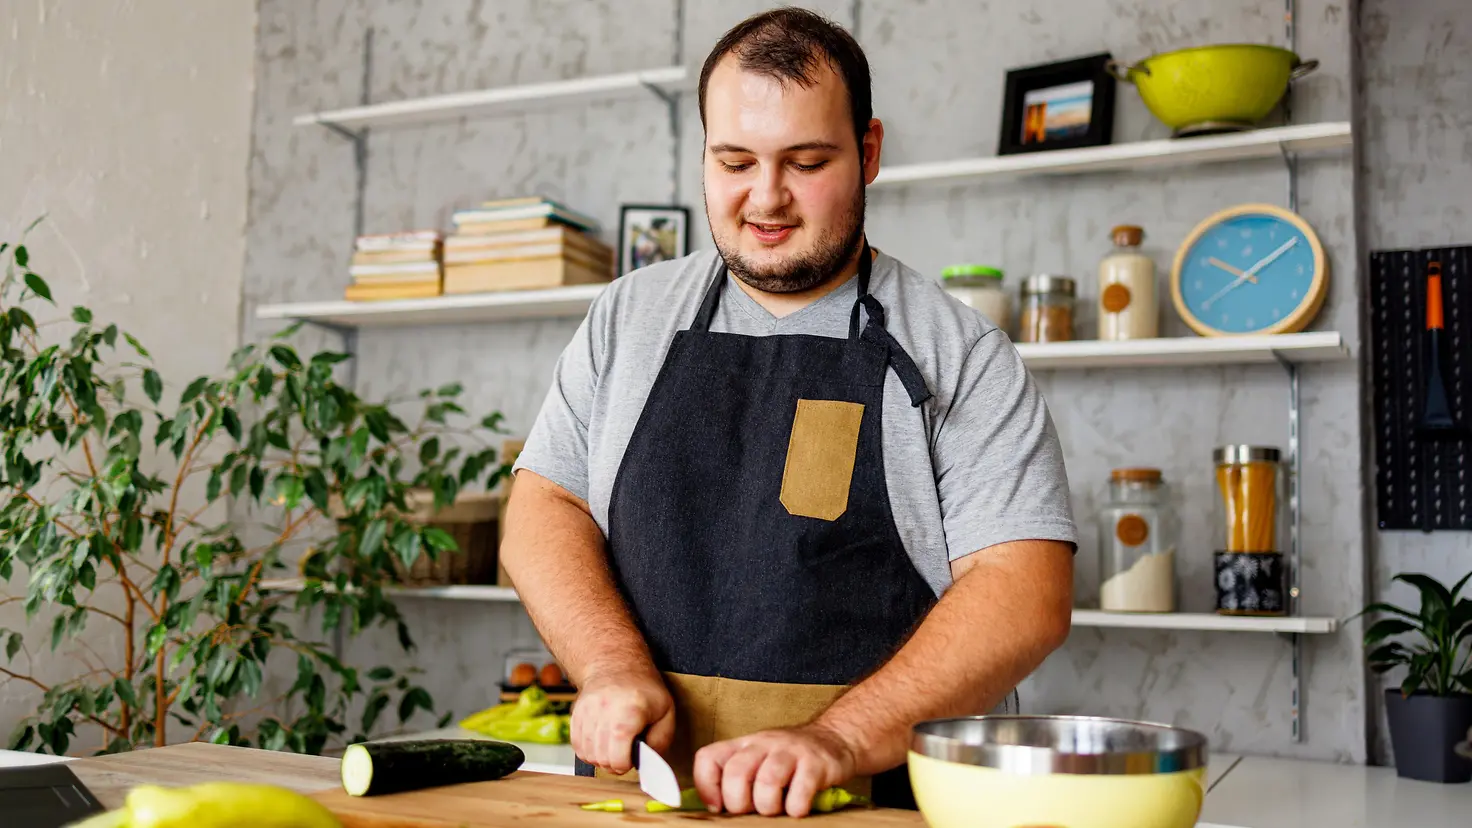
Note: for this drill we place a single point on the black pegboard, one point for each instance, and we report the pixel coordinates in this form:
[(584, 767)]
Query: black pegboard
[(1421, 482)]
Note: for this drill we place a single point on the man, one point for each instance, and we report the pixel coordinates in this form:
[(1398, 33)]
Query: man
[(758, 468)]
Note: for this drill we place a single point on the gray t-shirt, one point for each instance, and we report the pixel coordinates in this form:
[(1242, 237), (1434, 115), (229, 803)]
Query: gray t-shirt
[(976, 465)]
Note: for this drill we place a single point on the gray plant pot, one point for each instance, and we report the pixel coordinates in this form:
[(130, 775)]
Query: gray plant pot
[(1424, 732)]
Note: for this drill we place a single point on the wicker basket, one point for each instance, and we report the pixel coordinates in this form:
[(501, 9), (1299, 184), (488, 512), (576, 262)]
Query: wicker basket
[(471, 521)]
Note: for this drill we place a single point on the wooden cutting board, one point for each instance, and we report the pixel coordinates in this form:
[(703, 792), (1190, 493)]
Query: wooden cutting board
[(540, 800)]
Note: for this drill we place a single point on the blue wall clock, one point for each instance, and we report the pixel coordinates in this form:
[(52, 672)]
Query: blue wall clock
[(1250, 269)]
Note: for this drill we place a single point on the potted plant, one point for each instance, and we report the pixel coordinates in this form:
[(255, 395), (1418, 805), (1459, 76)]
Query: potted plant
[(154, 518), (1431, 711)]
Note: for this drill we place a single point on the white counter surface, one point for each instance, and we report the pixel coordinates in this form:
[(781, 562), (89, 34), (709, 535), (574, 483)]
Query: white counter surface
[(1286, 793)]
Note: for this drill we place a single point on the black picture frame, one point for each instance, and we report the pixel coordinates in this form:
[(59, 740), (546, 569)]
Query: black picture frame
[(1039, 80), (631, 214)]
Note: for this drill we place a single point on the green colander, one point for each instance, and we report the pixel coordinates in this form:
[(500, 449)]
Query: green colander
[(1214, 88)]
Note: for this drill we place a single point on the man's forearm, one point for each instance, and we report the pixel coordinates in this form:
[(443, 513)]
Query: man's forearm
[(1006, 611), (554, 552)]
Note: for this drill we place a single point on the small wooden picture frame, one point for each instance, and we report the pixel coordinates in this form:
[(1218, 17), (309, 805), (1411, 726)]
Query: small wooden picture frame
[(1064, 105)]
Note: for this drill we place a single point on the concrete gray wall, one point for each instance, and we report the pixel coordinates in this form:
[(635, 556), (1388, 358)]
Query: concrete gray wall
[(1415, 175), (938, 73), (128, 127)]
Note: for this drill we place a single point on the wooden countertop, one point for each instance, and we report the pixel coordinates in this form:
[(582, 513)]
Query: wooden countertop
[(111, 777)]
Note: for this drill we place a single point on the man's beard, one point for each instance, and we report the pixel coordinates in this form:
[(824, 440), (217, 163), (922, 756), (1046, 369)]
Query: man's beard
[(807, 270)]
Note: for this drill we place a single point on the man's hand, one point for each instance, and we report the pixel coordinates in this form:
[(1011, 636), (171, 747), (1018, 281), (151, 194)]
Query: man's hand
[(773, 770), (612, 709)]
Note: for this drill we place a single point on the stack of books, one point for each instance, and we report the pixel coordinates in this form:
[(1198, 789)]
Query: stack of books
[(523, 244), (396, 266)]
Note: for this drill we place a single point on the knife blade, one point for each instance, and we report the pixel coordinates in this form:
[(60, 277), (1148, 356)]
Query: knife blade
[(656, 777)]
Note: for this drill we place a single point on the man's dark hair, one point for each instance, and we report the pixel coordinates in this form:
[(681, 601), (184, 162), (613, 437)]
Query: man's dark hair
[(788, 44)]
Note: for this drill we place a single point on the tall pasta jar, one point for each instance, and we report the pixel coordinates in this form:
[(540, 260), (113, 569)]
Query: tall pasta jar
[(980, 287), (1251, 530), (1047, 308), (1137, 544)]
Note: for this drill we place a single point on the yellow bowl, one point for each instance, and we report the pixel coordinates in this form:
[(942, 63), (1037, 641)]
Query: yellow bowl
[(1208, 88), (1075, 771)]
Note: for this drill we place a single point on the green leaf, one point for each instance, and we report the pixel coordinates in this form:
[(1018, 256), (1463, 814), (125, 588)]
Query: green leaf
[(204, 556), (81, 315), (231, 421), (110, 336), (285, 357), (416, 697), (372, 537), (493, 421), (407, 545), (439, 540), (329, 357), (21, 738), (153, 385), (13, 646), (22, 256), (193, 390), (376, 703), (429, 450), (58, 629), (381, 673), (1382, 630), (315, 485), (445, 719), (452, 389), (257, 482), (289, 490), (137, 346), (237, 478), (87, 576), (157, 634), (37, 285)]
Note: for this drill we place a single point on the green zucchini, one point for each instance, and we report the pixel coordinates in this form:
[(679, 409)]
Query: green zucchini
[(375, 768)]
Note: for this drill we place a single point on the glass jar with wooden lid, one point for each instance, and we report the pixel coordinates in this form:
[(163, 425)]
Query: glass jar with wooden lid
[(1137, 544), (1251, 530)]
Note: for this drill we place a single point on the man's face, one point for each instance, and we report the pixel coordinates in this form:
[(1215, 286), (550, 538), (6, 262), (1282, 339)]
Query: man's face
[(784, 177)]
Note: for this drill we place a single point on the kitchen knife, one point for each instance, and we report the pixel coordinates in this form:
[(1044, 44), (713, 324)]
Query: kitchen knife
[(656, 777)]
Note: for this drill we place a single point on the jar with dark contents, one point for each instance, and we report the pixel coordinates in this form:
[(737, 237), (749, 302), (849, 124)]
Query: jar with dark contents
[(1047, 309)]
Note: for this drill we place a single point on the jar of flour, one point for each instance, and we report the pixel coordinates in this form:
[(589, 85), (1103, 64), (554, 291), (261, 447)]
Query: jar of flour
[(1137, 544)]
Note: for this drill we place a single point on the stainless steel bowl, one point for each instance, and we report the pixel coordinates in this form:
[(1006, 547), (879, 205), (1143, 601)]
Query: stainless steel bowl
[(1037, 745)]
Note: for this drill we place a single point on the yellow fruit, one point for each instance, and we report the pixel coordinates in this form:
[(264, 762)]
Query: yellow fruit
[(225, 805), (610, 805), (831, 799)]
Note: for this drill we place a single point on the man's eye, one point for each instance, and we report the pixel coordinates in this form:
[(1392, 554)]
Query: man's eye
[(811, 167), (734, 168)]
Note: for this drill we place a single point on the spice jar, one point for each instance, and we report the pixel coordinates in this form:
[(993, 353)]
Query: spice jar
[(1128, 306), (1251, 530), (980, 287), (1047, 309), (1137, 544)]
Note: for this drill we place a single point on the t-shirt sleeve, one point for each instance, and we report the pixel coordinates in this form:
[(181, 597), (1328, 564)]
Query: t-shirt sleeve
[(998, 464), (557, 444)]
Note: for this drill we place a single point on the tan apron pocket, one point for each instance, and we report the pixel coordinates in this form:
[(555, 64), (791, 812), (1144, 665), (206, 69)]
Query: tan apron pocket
[(820, 458)]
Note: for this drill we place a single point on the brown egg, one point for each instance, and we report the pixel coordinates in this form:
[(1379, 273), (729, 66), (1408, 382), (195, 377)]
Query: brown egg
[(551, 676), (523, 675)]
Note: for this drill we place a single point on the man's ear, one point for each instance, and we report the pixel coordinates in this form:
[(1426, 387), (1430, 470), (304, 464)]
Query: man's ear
[(870, 148)]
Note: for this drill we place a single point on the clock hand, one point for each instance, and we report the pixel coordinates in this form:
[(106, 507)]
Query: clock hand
[(1235, 271), (1251, 272)]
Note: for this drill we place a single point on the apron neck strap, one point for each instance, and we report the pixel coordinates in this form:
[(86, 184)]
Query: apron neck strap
[(707, 312)]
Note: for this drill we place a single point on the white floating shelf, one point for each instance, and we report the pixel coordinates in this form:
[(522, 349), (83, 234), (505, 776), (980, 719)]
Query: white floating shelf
[(442, 310), (1316, 346), (1203, 621), (1081, 617), (508, 306), (501, 100), (451, 593), (1137, 155)]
